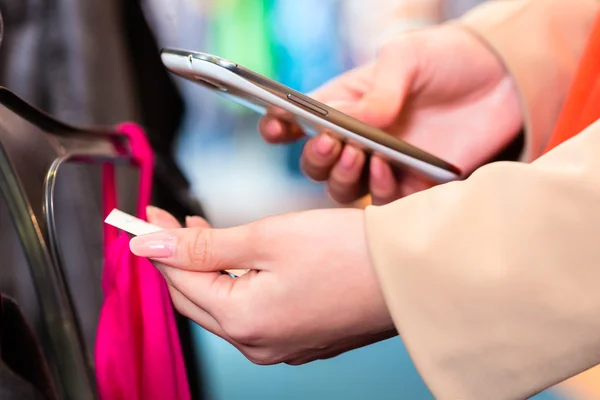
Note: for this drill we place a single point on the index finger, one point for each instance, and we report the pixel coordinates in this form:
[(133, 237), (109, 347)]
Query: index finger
[(205, 290)]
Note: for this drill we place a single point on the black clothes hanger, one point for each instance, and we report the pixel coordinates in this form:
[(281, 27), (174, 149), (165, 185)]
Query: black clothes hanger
[(33, 146)]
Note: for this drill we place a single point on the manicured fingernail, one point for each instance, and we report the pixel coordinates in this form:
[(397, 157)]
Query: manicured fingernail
[(274, 127), (192, 220), (348, 158), (325, 145), (152, 211), (154, 245)]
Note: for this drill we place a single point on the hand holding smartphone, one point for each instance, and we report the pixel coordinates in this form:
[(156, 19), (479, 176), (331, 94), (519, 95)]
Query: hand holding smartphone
[(264, 95)]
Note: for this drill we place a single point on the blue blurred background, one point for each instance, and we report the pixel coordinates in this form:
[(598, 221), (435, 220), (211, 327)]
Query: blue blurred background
[(301, 43)]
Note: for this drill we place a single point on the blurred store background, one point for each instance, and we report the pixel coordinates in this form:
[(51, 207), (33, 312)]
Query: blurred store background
[(238, 178)]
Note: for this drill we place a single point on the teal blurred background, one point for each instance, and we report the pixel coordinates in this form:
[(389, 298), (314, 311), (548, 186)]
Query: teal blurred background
[(301, 43)]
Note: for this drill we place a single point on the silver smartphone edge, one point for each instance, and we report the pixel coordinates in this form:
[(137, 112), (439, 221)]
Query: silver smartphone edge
[(194, 65)]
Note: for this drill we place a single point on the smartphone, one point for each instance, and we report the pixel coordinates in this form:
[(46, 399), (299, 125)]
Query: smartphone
[(266, 96)]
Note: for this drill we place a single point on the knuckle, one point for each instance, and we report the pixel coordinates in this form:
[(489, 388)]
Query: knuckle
[(200, 249), (253, 336), (345, 180), (263, 357), (259, 232), (246, 330), (316, 173), (243, 333)]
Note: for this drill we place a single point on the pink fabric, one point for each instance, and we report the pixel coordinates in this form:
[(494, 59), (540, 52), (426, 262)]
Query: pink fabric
[(138, 354)]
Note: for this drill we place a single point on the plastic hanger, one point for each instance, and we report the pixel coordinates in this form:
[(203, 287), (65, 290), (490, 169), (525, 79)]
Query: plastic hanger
[(33, 146)]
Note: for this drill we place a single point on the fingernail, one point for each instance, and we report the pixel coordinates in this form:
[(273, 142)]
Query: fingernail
[(274, 127), (348, 158), (151, 211), (154, 245), (325, 145), (192, 220)]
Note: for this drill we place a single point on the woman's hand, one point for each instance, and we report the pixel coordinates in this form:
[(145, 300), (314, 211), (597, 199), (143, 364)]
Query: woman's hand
[(440, 89), (311, 292)]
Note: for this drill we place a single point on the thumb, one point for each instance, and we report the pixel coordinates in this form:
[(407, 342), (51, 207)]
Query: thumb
[(392, 83), (197, 249)]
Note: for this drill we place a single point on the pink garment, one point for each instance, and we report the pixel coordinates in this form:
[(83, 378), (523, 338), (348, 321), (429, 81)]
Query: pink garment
[(138, 354)]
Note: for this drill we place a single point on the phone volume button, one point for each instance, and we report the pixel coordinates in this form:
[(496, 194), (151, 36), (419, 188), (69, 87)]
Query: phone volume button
[(307, 104)]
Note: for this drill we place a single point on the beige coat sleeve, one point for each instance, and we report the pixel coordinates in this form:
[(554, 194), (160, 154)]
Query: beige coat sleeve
[(494, 282)]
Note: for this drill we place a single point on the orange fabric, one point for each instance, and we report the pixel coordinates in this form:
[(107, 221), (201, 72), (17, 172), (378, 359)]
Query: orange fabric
[(582, 105)]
